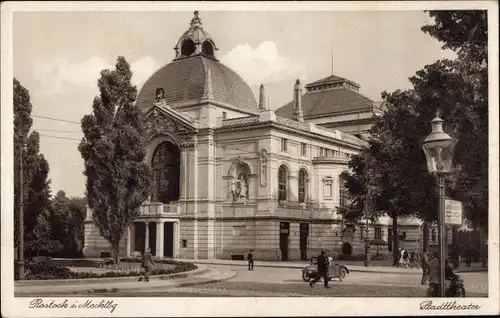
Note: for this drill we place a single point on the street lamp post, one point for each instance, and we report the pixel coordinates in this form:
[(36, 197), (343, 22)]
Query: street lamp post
[(438, 148), (367, 245)]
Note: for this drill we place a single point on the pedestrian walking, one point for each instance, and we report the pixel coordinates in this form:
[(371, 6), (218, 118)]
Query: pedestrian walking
[(468, 256), (434, 274), (401, 258), (322, 270), (406, 258), (397, 257), (416, 255), (424, 258), (250, 260), (147, 264)]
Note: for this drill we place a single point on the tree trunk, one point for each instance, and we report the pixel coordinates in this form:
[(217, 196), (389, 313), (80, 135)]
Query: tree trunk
[(395, 240), (115, 249), (484, 249), (425, 245)]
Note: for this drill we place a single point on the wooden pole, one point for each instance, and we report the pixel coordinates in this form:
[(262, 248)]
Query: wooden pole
[(21, 212)]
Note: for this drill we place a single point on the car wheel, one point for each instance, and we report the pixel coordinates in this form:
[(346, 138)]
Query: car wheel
[(343, 273), (305, 276)]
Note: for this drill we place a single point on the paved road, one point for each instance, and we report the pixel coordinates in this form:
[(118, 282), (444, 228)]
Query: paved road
[(273, 282)]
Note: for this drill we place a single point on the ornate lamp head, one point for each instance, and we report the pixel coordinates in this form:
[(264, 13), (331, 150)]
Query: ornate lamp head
[(438, 147)]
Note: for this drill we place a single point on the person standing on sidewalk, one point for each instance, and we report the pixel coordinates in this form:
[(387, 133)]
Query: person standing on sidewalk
[(250, 260), (322, 270), (425, 267), (147, 264)]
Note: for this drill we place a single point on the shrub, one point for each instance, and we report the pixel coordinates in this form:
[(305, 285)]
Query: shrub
[(50, 270)]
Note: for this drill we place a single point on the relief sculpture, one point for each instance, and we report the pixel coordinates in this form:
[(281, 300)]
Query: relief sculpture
[(263, 167)]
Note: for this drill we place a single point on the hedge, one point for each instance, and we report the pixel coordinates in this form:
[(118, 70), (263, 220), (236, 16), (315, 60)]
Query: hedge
[(43, 270)]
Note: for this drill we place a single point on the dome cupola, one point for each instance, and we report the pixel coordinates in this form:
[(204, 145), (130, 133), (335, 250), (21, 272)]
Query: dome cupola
[(195, 41)]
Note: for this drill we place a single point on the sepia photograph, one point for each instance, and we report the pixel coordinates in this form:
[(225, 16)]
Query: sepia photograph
[(178, 154)]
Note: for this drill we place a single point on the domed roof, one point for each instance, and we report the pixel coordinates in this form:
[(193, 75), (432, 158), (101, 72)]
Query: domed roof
[(185, 81)]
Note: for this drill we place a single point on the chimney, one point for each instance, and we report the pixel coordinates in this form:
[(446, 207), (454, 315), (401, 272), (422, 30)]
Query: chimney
[(297, 102), (262, 98)]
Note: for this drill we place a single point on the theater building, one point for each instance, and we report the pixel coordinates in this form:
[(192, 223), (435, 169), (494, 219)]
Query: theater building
[(231, 175)]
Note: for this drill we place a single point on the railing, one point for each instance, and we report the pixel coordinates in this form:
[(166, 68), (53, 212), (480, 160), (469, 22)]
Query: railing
[(159, 209)]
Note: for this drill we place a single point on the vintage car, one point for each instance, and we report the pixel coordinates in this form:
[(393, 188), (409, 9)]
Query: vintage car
[(334, 270)]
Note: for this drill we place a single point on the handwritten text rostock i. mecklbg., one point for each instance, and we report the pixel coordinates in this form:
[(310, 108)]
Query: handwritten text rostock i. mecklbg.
[(39, 303)]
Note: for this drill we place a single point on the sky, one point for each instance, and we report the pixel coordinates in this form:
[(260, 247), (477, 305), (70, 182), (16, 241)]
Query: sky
[(58, 57)]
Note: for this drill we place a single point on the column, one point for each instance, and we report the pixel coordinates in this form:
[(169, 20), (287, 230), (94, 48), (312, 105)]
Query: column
[(146, 244), (176, 240), (159, 238), (130, 239)]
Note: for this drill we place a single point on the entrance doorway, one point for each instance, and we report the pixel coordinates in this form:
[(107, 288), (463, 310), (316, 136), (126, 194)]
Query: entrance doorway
[(284, 234), (140, 234), (168, 239), (304, 234), (152, 237), (347, 249)]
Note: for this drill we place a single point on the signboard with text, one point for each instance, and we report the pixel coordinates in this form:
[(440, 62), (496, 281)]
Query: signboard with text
[(453, 212)]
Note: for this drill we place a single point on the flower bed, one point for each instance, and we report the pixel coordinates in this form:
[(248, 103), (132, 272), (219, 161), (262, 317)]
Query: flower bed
[(43, 270)]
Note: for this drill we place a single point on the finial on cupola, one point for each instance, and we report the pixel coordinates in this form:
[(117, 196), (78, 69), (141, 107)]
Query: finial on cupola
[(262, 98)]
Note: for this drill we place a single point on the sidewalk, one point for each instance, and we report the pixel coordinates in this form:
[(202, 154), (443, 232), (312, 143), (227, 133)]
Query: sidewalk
[(88, 286), (302, 264)]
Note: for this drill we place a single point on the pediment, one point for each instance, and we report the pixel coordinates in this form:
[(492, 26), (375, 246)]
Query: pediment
[(163, 119)]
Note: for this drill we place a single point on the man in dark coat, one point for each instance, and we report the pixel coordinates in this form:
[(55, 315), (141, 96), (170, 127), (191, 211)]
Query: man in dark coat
[(424, 258), (147, 263), (435, 273), (250, 260), (322, 270)]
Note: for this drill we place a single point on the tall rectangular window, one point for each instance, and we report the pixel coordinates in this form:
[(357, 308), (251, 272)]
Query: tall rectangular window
[(362, 233), (224, 115), (342, 192), (284, 144), (378, 233), (303, 149), (328, 191)]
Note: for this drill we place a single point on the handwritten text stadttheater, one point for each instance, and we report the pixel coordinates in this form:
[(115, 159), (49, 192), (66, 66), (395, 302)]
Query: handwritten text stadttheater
[(448, 305), (39, 303)]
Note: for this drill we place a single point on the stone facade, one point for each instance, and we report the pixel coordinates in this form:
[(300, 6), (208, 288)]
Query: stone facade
[(248, 179)]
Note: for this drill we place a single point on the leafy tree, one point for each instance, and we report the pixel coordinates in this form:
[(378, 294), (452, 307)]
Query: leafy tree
[(400, 180), (36, 185), (67, 219), (113, 148)]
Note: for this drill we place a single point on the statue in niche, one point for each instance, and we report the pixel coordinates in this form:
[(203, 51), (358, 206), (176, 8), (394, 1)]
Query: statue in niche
[(160, 94), (239, 188), (263, 167), (243, 186)]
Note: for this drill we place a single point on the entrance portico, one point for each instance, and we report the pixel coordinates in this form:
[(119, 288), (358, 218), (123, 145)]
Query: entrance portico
[(161, 235)]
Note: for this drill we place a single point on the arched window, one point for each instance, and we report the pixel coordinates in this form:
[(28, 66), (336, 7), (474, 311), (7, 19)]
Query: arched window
[(208, 48), (342, 192), (283, 183), (302, 185), (166, 173), (188, 47)]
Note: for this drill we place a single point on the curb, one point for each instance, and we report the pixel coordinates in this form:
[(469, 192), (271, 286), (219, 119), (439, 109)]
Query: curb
[(24, 283), (175, 285), (367, 270)]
